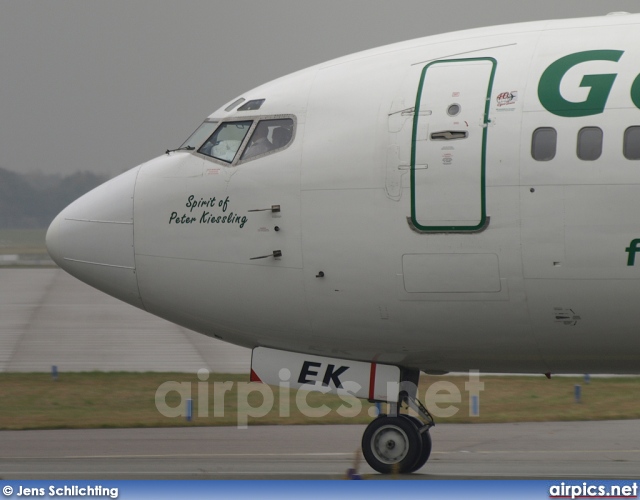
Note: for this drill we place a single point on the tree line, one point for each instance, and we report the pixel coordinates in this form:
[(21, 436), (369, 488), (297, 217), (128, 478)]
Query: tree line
[(33, 200)]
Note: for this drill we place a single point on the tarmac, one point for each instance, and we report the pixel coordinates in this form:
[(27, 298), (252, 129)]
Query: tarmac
[(549, 450), (49, 318)]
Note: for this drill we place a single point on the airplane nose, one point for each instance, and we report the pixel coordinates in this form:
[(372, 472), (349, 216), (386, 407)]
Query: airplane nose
[(92, 239)]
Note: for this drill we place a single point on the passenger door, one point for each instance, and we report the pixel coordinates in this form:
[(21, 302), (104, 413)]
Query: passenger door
[(448, 145)]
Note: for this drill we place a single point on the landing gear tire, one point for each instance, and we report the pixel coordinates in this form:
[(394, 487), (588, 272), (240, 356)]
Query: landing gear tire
[(393, 444), (426, 444)]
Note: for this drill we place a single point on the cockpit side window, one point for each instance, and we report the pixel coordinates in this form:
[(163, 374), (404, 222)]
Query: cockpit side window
[(198, 137), (234, 104), (226, 140), (252, 105), (269, 136)]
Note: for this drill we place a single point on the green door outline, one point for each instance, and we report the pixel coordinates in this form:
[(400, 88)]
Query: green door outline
[(483, 200)]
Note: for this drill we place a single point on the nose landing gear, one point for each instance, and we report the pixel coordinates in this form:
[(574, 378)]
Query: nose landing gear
[(398, 443)]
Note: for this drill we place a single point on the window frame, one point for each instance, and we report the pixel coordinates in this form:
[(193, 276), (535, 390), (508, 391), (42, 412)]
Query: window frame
[(185, 144), (252, 105), (235, 104), (555, 148), (222, 124), (237, 160), (624, 143), (578, 136), (242, 160)]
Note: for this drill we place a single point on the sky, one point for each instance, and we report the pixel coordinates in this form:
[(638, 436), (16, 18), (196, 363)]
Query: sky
[(104, 85)]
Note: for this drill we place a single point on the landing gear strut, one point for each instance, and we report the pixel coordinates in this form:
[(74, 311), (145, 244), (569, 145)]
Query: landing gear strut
[(399, 443)]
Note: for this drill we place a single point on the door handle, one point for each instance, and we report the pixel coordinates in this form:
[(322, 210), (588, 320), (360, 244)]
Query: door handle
[(449, 135)]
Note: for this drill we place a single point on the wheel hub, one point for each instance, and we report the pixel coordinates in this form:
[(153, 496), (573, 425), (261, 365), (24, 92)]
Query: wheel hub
[(390, 444)]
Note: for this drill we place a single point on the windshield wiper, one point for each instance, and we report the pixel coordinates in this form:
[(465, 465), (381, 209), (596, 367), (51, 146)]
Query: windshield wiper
[(185, 148)]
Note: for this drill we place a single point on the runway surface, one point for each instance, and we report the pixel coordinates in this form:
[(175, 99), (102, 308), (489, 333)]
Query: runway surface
[(47, 318), (564, 450)]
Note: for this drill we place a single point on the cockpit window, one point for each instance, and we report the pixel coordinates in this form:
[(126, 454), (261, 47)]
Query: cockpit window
[(234, 104), (199, 135), (226, 140), (269, 135), (252, 105)]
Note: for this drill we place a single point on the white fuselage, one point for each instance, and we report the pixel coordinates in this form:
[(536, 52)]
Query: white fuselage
[(435, 252)]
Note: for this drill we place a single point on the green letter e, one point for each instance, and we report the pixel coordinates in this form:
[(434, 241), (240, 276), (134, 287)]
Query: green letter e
[(549, 86)]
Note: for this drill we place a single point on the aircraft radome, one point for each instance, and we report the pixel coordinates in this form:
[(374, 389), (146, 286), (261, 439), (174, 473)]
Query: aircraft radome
[(466, 201)]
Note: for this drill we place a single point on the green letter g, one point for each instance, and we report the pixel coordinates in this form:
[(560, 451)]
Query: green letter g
[(549, 86)]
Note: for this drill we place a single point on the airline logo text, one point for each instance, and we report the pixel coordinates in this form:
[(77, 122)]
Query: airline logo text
[(599, 85)]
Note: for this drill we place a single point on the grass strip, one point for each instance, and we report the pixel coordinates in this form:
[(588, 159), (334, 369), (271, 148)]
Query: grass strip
[(125, 399)]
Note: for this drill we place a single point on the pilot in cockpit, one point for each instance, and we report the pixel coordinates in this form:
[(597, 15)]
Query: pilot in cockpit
[(260, 142), (281, 136)]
